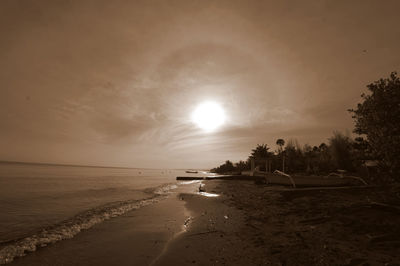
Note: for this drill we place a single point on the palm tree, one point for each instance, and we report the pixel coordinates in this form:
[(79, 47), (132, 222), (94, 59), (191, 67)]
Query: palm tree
[(323, 147), (281, 143), (242, 165), (260, 153), (308, 153)]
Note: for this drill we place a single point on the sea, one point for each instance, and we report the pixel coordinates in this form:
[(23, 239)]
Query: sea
[(41, 204)]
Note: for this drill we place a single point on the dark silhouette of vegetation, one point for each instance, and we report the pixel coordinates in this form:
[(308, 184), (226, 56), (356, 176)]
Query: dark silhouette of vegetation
[(260, 152), (378, 118), (260, 155), (227, 167), (281, 143), (322, 159), (242, 166), (377, 121), (341, 151)]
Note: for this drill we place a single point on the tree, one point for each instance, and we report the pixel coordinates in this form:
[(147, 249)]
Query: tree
[(341, 150), (224, 168), (323, 147), (242, 165), (324, 158), (378, 118), (260, 153), (295, 159), (308, 153), (281, 143)]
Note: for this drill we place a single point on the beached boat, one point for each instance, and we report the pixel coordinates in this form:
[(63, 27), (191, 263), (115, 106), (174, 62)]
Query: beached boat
[(331, 180), (280, 178), (312, 181)]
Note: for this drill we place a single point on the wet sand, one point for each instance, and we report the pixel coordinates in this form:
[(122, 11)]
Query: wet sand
[(213, 237), (135, 238), (247, 224)]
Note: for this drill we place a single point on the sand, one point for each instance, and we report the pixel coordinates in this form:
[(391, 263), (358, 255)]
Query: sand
[(270, 225), (135, 238), (246, 224)]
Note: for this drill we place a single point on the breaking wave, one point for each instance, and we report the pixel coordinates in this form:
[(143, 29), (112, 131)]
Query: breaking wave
[(85, 220)]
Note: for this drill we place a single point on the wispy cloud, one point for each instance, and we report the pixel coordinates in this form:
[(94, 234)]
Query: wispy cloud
[(115, 82)]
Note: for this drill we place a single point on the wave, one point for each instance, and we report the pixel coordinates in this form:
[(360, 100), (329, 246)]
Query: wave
[(85, 220)]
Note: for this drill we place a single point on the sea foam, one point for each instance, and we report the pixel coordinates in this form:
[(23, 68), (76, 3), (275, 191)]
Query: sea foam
[(69, 228)]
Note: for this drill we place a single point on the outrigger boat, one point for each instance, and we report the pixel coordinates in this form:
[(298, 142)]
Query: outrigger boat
[(280, 178), (287, 180), (331, 180), (313, 181)]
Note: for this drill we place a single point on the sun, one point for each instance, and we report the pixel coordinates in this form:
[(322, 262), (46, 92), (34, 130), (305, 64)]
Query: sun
[(208, 116)]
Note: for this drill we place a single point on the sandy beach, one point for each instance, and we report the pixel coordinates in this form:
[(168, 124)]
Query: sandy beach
[(246, 224), (270, 225), (203, 132)]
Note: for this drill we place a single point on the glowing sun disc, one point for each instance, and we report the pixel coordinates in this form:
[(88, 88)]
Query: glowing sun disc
[(208, 116)]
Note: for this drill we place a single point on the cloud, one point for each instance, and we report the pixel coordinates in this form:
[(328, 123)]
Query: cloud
[(115, 82)]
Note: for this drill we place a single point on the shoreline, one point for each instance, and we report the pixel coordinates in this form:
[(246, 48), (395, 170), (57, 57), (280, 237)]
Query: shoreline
[(212, 234), (80, 222), (247, 224), (135, 237)]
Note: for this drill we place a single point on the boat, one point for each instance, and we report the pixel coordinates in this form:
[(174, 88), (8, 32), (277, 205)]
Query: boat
[(309, 181), (296, 180), (280, 178), (191, 171)]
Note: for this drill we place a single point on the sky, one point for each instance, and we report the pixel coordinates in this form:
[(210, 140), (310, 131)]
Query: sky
[(114, 83)]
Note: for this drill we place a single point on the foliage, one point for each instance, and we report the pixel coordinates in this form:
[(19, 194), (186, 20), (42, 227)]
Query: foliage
[(325, 164), (242, 166), (280, 143), (377, 121), (378, 118), (224, 168), (294, 156), (320, 159), (281, 157), (361, 149), (341, 151), (260, 152)]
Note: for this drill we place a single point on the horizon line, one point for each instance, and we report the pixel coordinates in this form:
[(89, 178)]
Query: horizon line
[(94, 166)]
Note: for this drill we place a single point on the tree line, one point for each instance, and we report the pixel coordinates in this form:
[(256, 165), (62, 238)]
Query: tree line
[(341, 152), (377, 125)]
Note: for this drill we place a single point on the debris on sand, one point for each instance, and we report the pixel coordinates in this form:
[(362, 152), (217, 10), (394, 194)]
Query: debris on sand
[(202, 187)]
